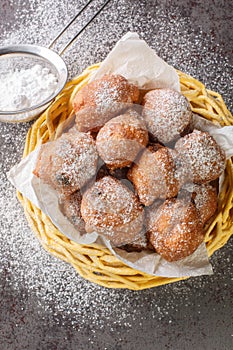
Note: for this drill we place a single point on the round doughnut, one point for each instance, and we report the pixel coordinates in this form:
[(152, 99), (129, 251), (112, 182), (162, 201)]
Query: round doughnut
[(121, 139), (68, 163), (71, 208), (101, 100), (112, 210), (201, 156), (176, 231), (153, 175), (167, 114)]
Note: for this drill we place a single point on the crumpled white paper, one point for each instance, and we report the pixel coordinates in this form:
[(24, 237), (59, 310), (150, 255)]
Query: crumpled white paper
[(194, 265), (132, 55), (135, 60)]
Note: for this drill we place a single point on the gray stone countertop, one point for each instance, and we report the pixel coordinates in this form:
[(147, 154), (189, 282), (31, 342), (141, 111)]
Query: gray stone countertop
[(44, 304)]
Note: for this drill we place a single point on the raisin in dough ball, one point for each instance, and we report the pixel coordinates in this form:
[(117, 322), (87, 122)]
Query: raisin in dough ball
[(101, 100), (120, 140), (112, 210), (167, 114), (68, 163), (71, 208), (201, 156), (205, 199), (176, 231), (153, 175)]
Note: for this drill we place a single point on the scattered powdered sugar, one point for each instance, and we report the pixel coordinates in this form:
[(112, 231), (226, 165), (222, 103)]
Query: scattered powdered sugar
[(25, 88), (44, 302)]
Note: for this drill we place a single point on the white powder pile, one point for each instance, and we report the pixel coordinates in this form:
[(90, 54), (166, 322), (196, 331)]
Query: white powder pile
[(25, 88)]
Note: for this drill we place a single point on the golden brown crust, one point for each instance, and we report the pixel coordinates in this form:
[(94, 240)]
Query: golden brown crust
[(111, 209), (205, 199), (68, 163), (176, 231), (120, 140), (201, 156), (150, 213), (101, 100), (43, 163), (71, 208), (167, 114), (153, 175)]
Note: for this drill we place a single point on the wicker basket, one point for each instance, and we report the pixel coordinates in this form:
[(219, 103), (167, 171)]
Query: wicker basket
[(94, 262)]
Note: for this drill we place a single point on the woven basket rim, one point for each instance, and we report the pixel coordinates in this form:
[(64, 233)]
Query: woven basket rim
[(94, 262)]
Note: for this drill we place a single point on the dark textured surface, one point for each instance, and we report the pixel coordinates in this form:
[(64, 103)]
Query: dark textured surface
[(44, 304)]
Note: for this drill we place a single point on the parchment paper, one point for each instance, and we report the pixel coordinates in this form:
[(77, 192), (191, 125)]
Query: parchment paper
[(135, 60)]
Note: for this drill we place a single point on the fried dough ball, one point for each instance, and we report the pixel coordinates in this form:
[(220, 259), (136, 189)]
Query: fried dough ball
[(201, 156), (176, 231), (167, 114), (121, 139), (101, 100), (205, 199), (71, 208), (68, 163), (112, 210), (44, 161), (153, 175)]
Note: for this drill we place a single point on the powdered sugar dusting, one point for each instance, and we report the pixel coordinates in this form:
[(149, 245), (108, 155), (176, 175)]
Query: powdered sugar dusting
[(107, 98), (44, 302), (110, 208), (175, 230), (201, 155), (167, 114), (205, 199), (73, 161), (121, 139), (101, 100), (153, 175), (71, 207)]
